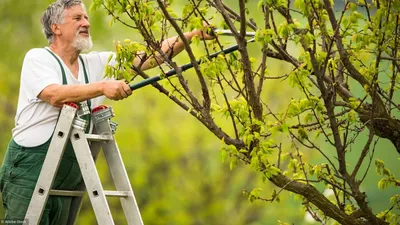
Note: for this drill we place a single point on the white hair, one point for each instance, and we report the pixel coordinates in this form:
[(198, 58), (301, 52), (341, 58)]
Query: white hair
[(54, 14)]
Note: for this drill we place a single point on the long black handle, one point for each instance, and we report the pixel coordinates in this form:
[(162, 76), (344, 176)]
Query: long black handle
[(185, 67)]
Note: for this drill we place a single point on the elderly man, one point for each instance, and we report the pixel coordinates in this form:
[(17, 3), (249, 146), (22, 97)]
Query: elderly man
[(50, 77)]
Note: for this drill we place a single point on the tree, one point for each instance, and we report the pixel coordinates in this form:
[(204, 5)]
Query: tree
[(177, 179), (344, 80)]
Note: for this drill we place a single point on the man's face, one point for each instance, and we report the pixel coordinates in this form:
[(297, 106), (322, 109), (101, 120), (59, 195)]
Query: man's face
[(76, 28)]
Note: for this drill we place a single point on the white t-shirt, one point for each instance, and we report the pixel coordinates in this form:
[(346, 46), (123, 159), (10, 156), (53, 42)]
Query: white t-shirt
[(36, 119)]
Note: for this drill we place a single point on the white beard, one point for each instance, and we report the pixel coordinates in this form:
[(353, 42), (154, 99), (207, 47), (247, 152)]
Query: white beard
[(82, 43)]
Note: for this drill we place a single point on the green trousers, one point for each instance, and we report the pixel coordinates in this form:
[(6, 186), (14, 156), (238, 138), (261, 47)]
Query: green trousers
[(18, 176)]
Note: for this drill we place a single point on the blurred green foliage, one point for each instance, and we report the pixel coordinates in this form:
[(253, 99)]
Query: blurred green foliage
[(172, 160)]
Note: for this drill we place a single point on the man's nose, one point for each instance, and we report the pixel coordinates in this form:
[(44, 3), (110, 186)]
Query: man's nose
[(85, 23)]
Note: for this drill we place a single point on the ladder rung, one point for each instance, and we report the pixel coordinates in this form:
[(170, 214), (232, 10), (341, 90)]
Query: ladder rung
[(117, 193), (81, 193), (98, 137), (67, 193)]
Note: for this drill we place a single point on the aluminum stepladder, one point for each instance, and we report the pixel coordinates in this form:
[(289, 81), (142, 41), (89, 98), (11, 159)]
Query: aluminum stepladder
[(86, 148)]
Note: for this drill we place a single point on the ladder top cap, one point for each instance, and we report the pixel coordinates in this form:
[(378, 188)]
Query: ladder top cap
[(72, 104), (99, 108)]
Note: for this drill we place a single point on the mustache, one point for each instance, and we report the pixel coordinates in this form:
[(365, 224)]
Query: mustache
[(83, 30)]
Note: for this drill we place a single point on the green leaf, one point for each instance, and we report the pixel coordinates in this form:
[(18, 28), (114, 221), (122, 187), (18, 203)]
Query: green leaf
[(302, 133), (383, 183), (233, 163), (224, 155)]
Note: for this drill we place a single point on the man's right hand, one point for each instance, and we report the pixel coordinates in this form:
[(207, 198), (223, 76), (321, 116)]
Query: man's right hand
[(116, 89)]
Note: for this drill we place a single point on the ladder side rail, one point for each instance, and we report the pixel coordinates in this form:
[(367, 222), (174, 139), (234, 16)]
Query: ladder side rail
[(76, 203), (50, 165), (119, 175), (91, 178)]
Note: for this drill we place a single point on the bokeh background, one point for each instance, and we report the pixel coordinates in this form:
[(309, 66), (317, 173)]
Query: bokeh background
[(173, 162)]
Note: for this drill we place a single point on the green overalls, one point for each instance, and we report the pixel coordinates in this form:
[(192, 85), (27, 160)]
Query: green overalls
[(20, 171)]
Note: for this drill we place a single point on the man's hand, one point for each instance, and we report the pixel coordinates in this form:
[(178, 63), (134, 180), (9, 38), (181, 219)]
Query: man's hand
[(116, 89)]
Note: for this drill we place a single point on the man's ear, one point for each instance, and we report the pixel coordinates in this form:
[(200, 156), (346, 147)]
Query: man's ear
[(55, 29)]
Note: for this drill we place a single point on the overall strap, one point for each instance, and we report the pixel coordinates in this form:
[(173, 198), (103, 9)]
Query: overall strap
[(87, 117), (64, 79), (86, 79), (84, 70)]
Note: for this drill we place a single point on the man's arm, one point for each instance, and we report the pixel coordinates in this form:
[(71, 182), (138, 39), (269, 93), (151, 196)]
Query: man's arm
[(57, 95), (172, 47)]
